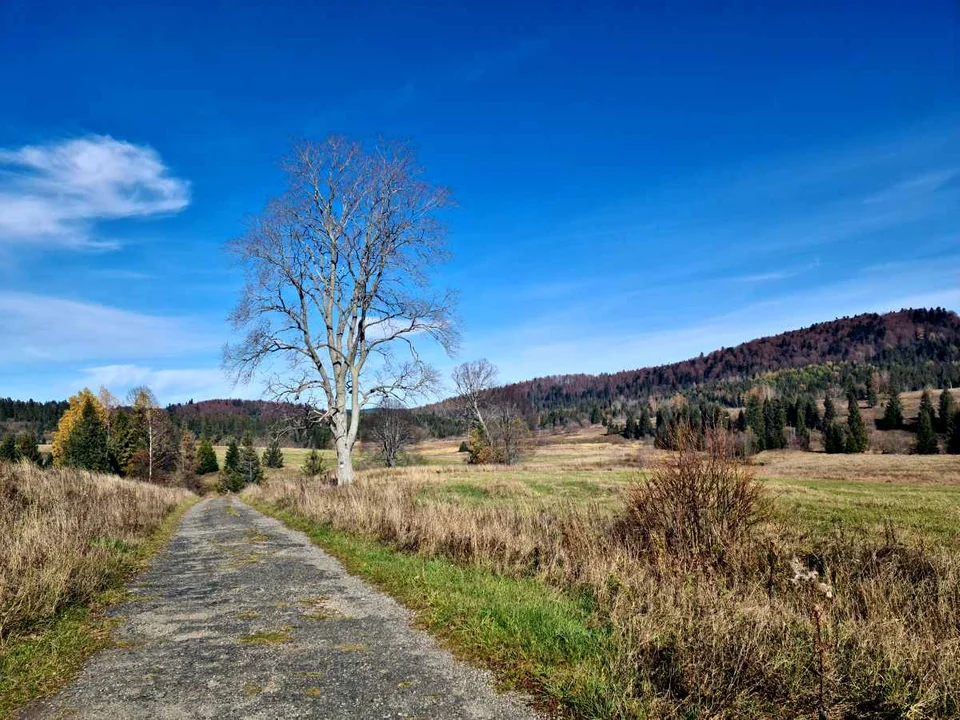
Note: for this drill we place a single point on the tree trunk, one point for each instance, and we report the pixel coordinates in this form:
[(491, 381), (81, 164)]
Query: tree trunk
[(341, 431)]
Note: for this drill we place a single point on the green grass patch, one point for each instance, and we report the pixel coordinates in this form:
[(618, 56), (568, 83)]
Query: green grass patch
[(534, 637), (38, 664), (268, 637), (924, 511)]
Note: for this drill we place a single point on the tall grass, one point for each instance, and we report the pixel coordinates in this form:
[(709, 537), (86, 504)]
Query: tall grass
[(65, 535), (786, 622)]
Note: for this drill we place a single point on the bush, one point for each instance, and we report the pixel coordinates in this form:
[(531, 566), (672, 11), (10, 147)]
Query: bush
[(696, 505)]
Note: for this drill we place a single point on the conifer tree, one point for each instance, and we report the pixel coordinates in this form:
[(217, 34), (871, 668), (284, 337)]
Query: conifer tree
[(774, 419), (945, 414), (835, 438), (28, 448), (756, 421), (313, 464), (893, 412), (630, 428), (273, 455), (644, 425), (742, 421), (231, 479), (250, 469), (85, 446), (78, 404), (8, 449), (206, 458), (926, 437), (187, 457), (857, 439), (595, 417), (829, 411), (803, 435), (953, 443), (926, 407)]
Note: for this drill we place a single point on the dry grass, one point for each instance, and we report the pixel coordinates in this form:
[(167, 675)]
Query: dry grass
[(65, 535), (798, 618), (920, 469)]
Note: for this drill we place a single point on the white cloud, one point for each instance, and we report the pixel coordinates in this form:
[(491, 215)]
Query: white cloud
[(42, 328), (56, 193), (172, 385)]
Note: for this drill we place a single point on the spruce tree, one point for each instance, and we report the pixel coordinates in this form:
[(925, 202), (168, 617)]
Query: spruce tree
[(926, 437), (595, 417), (231, 480), (630, 428), (803, 435), (86, 445), (8, 449), (774, 420), (926, 407), (893, 412), (644, 425), (756, 421), (835, 438), (953, 443), (829, 412), (945, 415), (313, 464), (742, 421), (206, 458), (857, 439), (250, 469), (273, 455)]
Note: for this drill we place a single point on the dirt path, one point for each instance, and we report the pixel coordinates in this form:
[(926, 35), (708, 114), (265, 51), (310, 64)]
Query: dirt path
[(241, 617)]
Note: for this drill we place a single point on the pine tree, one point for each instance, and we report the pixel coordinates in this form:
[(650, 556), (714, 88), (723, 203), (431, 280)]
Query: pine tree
[(945, 415), (873, 388), (756, 421), (250, 469), (231, 480), (206, 458), (595, 416), (630, 428), (8, 449), (926, 437), (926, 407), (644, 425), (85, 446), (273, 455), (28, 448), (313, 465), (893, 412), (774, 422), (835, 438), (857, 439)]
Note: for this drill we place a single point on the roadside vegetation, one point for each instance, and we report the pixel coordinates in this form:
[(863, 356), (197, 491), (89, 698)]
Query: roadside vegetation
[(68, 540), (790, 597)]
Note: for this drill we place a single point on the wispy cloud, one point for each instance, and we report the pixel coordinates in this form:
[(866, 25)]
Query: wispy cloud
[(170, 385), (55, 194), (49, 329)]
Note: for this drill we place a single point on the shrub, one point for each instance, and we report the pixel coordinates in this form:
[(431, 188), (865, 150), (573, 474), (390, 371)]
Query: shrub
[(696, 505)]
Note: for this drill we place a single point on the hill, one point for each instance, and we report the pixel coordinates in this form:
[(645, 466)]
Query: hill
[(910, 348)]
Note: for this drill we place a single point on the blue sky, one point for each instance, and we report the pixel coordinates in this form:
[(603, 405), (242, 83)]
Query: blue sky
[(634, 185)]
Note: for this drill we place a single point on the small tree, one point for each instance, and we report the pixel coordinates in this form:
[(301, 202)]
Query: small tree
[(187, 458), (893, 412), (857, 438), (8, 449), (803, 434), (28, 448), (231, 479), (829, 411), (313, 464), (926, 437), (206, 458), (392, 429), (273, 455), (250, 470), (152, 431), (79, 404)]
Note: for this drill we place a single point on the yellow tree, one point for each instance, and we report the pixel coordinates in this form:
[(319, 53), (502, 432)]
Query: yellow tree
[(71, 419)]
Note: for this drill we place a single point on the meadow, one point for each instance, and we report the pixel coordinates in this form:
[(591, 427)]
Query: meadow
[(844, 600)]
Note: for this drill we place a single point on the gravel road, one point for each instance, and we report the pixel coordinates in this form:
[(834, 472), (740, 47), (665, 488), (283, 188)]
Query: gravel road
[(240, 617)]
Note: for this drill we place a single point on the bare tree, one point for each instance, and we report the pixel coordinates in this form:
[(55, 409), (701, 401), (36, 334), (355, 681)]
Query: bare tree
[(337, 285), (472, 381), (152, 424), (392, 428)]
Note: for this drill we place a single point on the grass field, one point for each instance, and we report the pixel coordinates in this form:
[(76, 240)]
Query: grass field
[(489, 556)]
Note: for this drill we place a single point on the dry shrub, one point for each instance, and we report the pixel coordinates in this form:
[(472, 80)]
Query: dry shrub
[(66, 534), (873, 621), (696, 505)]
